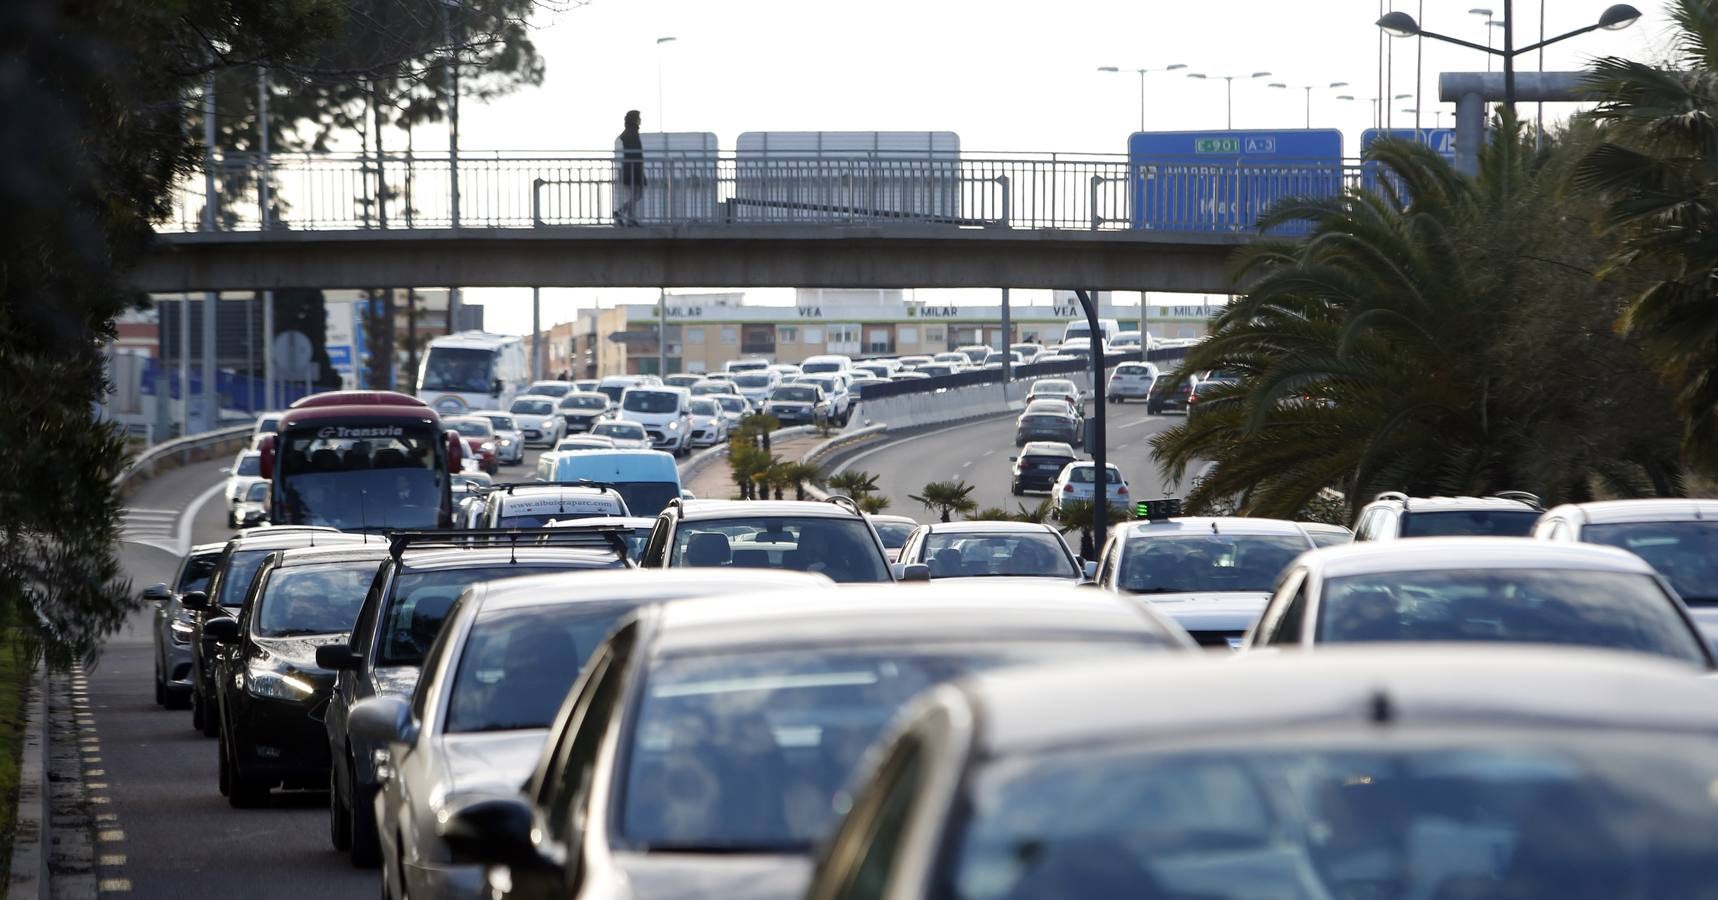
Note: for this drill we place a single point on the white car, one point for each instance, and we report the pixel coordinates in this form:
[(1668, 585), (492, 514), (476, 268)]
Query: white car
[(954, 358), (499, 676), (1029, 352), (664, 412), (835, 390), (756, 386), (734, 408), (909, 363), (1211, 575), (1131, 381), (974, 353), (712, 386), (1478, 590), (625, 435), (1078, 481), (584, 442), (997, 552), (1058, 388), (709, 426), (267, 423), (1677, 537), (245, 471), (509, 441), (538, 420)]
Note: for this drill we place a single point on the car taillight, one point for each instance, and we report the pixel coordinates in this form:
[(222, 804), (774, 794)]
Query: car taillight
[(1122, 489), (1067, 489)]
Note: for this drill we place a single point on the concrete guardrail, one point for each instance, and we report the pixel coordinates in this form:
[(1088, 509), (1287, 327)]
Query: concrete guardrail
[(179, 452)]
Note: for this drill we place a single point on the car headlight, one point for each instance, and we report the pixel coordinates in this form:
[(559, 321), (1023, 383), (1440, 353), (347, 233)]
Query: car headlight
[(506, 442), (674, 426), (265, 682), (488, 446), (182, 629), (382, 762)]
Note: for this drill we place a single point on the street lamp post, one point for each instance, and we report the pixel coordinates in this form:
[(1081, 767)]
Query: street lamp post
[(1309, 89), (1118, 70), (1228, 92), (1614, 18), (1373, 100), (661, 118)]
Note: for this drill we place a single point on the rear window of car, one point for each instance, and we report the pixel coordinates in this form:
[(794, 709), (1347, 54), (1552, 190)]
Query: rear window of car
[(794, 394), (197, 571), (532, 407), (1490, 522)]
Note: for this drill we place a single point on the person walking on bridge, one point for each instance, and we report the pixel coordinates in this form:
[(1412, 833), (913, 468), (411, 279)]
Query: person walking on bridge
[(631, 187)]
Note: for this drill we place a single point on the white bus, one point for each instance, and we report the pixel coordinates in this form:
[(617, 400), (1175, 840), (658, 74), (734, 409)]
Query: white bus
[(472, 370)]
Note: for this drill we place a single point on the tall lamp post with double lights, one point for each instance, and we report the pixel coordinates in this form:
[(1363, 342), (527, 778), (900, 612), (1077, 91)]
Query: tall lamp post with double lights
[(1228, 91), (1118, 70), (1614, 18), (661, 117), (1309, 88)]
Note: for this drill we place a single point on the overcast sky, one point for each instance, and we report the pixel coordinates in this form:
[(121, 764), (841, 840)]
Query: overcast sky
[(1003, 75)]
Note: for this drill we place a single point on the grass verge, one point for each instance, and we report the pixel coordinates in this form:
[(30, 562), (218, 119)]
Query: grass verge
[(15, 671)]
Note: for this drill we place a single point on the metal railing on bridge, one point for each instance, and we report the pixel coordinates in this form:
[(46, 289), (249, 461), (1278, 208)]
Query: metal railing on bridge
[(333, 191)]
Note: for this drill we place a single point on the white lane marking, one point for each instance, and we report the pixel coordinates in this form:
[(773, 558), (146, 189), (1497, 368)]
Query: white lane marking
[(130, 513), (190, 517), (966, 465), (1124, 446), (1136, 422), (988, 452), (890, 445)]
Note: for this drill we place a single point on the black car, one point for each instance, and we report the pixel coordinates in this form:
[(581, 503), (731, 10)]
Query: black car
[(704, 749), (403, 612), (239, 561), (582, 409), (798, 404), (1038, 464), (1168, 394), (269, 690), (1047, 420)]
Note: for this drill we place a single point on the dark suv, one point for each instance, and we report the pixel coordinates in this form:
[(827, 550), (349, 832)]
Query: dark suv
[(833, 539), (269, 691), (402, 614), (1038, 464), (1168, 394), (239, 561)]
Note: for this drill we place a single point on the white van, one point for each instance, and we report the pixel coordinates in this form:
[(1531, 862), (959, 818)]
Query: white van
[(646, 479), (615, 385), (665, 412), (736, 366), (1078, 330), (826, 364), (472, 370)]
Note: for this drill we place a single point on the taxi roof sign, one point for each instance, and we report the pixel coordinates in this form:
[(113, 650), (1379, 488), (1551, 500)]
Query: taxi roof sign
[(1157, 510)]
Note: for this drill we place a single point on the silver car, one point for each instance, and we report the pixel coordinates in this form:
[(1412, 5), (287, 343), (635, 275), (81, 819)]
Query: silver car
[(507, 656), (173, 624)]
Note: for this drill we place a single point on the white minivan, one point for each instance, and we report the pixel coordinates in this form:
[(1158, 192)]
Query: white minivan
[(1078, 330), (826, 364), (665, 412)]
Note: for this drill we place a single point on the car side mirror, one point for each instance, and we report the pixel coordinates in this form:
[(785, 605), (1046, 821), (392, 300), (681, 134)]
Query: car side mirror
[(492, 831), (912, 572), (387, 720), (1090, 568), (226, 470), (337, 657), (157, 593), (221, 629), (688, 495), (495, 389), (1013, 459), (194, 600)]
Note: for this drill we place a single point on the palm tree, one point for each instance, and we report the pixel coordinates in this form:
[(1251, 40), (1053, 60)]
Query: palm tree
[(1658, 170), (853, 483), (873, 503), (946, 497), (795, 475), (992, 514)]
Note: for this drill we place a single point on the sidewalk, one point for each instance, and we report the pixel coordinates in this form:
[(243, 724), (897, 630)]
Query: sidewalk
[(716, 481)]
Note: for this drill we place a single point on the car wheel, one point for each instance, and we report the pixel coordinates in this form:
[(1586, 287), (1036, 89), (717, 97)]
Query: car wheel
[(196, 711), (243, 791), (224, 777), (339, 815), (366, 845), (160, 686), (1014, 489), (211, 720)]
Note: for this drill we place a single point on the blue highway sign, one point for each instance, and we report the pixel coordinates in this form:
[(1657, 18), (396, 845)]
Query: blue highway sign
[(1441, 140), (1223, 181)]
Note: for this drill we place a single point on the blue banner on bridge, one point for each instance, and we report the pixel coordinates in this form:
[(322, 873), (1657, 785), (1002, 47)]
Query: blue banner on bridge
[(1223, 181), (1441, 140)]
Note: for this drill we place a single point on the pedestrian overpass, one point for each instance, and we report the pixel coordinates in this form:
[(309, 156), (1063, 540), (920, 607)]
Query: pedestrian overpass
[(720, 219)]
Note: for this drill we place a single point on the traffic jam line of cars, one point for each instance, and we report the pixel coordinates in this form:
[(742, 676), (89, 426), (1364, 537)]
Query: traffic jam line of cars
[(749, 699)]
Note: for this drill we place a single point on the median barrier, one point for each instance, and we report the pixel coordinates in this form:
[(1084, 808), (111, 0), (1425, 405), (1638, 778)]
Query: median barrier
[(701, 460), (179, 452)]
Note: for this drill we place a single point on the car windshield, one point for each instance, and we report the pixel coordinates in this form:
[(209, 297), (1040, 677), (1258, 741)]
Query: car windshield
[(841, 548), (500, 422), (1047, 419), (1089, 475), (257, 492), (462, 369), (968, 555), (732, 404), (421, 601), (1322, 538), (626, 430), (1494, 522), (647, 498), (1478, 816), (472, 428), (1618, 610), (250, 465), (198, 569), (935, 370), (1065, 388), (584, 401), (1186, 563), (894, 534), (752, 381), (532, 407), (794, 395), (395, 481), (715, 387), (241, 568), (1685, 553), (320, 599), (771, 738), (268, 425), (518, 664), (812, 368), (704, 408), (1132, 369), (549, 388), (655, 402)]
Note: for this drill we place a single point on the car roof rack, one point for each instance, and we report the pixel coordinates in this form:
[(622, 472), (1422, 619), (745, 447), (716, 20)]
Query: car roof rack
[(581, 483), (1526, 497), (602, 535), (1391, 495), (846, 502)]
